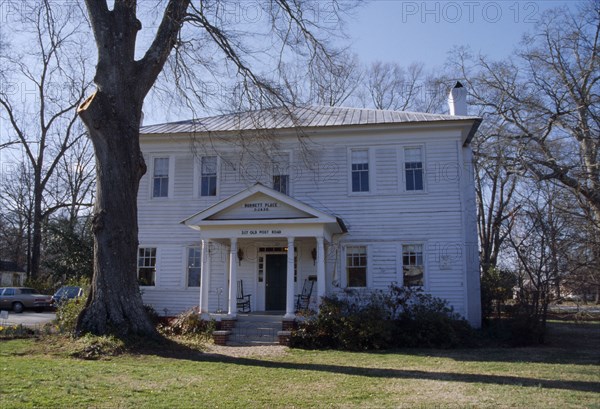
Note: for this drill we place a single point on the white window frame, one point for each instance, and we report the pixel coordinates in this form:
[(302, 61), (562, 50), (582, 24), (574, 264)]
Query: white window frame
[(186, 265), (156, 264), (371, 163), (171, 176), (400, 263), (402, 171), (198, 177), (344, 272)]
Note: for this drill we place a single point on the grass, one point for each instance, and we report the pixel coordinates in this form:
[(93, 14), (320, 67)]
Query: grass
[(43, 373)]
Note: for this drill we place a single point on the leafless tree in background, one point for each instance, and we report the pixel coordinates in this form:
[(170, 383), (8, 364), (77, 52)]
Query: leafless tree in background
[(392, 86), (43, 83)]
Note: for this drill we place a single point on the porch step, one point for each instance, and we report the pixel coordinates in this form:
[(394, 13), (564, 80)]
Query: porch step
[(255, 330)]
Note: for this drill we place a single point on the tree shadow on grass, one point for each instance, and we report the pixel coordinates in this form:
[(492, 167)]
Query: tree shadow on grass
[(173, 350), (566, 343)]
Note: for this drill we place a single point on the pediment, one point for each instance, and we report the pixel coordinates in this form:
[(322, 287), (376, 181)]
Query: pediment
[(259, 203), (260, 206)]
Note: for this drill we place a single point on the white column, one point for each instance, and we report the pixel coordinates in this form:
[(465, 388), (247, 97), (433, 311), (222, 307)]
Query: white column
[(320, 269), (232, 312), (289, 295), (204, 274)]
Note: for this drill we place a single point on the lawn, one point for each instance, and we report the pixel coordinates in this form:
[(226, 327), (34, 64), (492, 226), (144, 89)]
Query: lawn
[(565, 373)]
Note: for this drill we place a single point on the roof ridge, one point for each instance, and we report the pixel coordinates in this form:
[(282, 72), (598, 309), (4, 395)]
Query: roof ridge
[(300, 116)]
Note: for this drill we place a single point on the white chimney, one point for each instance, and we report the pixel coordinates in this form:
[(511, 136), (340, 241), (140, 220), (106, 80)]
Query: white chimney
[(457, 100)]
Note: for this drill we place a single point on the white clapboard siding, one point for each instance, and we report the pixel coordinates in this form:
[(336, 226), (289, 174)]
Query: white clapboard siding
[(383, 219)]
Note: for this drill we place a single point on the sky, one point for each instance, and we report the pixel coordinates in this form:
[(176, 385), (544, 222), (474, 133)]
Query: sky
[(407, 31), (425, 31)]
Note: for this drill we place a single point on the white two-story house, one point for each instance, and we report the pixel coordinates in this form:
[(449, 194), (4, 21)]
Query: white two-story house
[(350, 199)]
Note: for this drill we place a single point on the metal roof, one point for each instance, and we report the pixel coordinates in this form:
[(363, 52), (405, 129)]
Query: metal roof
[(294, 117)]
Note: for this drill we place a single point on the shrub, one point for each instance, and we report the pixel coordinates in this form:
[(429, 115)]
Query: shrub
[(16, 331), (400, 317), (189, 324), (67, 313)]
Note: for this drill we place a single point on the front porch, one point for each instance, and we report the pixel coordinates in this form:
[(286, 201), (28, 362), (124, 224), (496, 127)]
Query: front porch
[(270, 242)]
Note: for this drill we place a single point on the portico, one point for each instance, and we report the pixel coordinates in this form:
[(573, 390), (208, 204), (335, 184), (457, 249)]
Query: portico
[(265, 230)]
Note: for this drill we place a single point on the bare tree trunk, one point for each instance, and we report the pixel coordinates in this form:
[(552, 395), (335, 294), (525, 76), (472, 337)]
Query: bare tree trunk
[(115, 304), (36, 247)]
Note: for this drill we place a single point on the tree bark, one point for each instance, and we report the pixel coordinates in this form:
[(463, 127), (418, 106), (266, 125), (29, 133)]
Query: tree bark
[(112, 117), (115, 304)]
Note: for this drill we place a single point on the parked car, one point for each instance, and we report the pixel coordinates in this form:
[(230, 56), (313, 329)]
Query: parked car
[(19, 298), (66, 293)]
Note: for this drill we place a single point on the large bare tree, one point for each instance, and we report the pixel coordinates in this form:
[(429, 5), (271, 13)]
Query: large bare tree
[(548, 96), (194, 37)]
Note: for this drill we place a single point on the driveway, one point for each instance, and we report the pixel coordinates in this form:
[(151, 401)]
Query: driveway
[(27, 318)]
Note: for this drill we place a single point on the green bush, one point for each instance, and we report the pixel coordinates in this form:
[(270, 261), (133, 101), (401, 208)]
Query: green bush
[(67, 313), (400, 317)]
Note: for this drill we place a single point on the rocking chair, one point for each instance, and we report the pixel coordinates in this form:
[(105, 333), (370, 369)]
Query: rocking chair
[(303, 299), (243, 300)]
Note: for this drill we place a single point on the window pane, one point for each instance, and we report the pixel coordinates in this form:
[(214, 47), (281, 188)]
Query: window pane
[(364, 181), (208, 176), (413, 168), (360, 170), (161, 167), (209, 165), (412, 264), (160, 186), (412, 155), (360, 156), (280, 183), (146, 266), (194, 266), (356, 266)]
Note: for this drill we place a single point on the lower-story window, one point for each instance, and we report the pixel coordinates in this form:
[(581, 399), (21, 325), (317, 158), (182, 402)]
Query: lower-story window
[(194, 260), (147, 266), (412, 264), (356, 266)]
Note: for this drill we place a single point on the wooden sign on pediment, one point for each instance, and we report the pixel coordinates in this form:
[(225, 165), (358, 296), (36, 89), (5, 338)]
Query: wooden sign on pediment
[(260, 206)]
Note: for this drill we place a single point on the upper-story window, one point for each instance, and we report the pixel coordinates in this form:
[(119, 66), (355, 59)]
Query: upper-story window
[(360, 170), (413, 168), (160, 177), (208, 176), (281, 173)]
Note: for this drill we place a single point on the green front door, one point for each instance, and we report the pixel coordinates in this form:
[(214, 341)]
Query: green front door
[(276, 270)]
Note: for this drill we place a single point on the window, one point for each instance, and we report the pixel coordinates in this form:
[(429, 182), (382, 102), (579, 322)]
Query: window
[(147, 266), (413, 168), (161, 177), (208, 176), (194, 263), (356, 266), (281, 177), (412, 264), (360, 170)]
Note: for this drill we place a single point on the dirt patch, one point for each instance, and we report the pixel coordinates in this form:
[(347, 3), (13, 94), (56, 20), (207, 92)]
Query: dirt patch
[(247, 351)]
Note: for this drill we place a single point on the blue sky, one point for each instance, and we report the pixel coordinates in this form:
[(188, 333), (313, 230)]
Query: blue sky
[(409, 31)]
